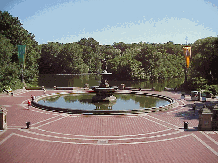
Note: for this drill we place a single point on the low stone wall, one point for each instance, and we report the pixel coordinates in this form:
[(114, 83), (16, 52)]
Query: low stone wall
[(33, 88)]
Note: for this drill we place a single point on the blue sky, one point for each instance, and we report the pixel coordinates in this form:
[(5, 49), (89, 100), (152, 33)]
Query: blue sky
[(109, 21)]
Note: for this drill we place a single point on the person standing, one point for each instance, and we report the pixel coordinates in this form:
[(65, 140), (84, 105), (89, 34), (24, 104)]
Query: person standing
[(44, 90), (33, 97)]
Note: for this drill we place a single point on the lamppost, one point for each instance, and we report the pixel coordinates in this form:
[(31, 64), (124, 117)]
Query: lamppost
[(185, 71), (185, 49), (151, 77)]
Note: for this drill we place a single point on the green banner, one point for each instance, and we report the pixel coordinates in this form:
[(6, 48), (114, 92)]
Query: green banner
[(21, 54)]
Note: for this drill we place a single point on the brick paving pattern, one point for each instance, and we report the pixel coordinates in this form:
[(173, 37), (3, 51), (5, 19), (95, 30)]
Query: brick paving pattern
[(59, 137)]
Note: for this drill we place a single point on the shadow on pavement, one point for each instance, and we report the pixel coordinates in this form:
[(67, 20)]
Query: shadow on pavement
[(191, 129), (188, 115), (191, 114)]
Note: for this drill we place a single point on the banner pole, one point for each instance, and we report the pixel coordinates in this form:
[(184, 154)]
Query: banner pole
[(22, 73), (186, 70), (186, 67)]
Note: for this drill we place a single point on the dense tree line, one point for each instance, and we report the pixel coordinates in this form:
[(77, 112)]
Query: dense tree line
[(204, 70), (136, 61), (125, 61), (12, 34)]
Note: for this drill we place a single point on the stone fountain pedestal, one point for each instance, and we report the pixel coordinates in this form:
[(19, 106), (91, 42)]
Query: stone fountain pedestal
[(104, 93)]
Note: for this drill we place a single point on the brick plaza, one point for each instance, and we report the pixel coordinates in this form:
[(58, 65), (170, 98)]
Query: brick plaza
[(61, 137)]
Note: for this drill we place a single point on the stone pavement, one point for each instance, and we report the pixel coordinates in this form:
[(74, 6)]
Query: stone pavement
[(60, 137)]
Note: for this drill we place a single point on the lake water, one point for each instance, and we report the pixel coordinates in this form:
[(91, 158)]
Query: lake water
[(51, 80), (123, 102)]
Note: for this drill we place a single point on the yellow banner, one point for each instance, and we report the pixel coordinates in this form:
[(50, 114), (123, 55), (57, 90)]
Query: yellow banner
[(187, 62), (187, 53)]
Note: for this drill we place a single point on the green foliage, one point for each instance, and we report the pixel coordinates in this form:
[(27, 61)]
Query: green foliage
[(9, 71), (62, 58), (125, 61), (71, 59), (205, 59), (126, 67), (158, 64), (10, 27), (122, 46), (90, 42), (204, 71), (12, 34), (213, 89), (197, 83)]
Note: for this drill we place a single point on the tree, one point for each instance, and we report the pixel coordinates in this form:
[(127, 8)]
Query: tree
[(205, 59), (90, 42), (9, 71), (71, 59), (12, 29), (125, 67), (122, 46), (49, 62)]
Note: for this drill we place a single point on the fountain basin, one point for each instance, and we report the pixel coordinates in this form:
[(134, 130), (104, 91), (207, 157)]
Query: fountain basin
[(126, 106)]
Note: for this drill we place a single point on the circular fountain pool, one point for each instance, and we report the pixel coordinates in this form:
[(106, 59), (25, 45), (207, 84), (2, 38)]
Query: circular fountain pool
[(84, 102)]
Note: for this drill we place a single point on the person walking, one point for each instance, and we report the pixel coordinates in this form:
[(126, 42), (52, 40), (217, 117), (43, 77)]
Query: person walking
[(29, 104), (183, 96), (27, 125), (193, 107)]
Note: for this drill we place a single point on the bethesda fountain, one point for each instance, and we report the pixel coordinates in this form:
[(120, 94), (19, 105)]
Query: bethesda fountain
[(103, 99), (104, 93)]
